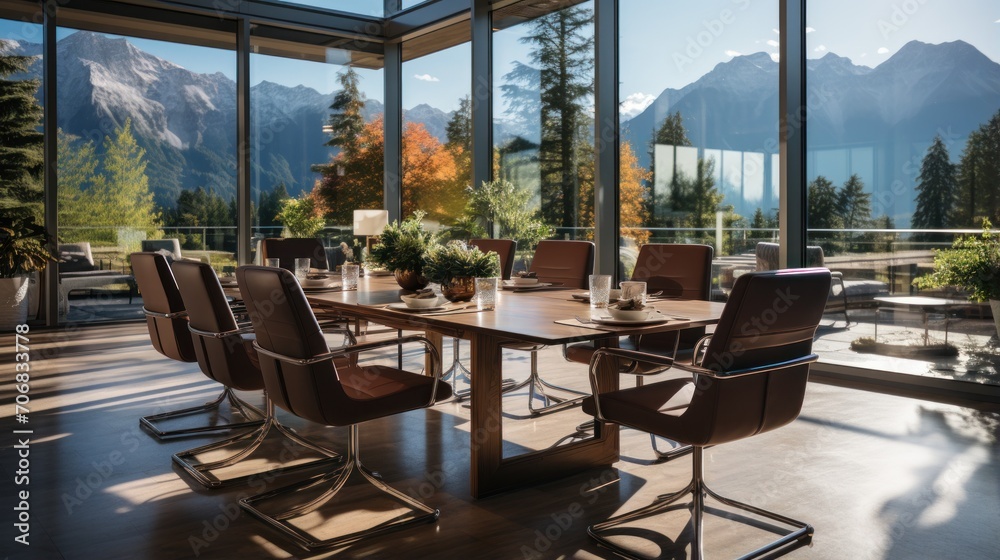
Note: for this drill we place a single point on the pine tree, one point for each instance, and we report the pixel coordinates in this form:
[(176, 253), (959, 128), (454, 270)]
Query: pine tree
[(979, 177), (936, 186), (854, 208), (822, 202), (21, 159), (77, 166), (120, 191), (459, 131), (346, 122), (558, 85), (270, 205)]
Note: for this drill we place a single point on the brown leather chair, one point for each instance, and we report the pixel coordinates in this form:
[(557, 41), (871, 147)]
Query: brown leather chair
[(286, 250), (768, 257), (167, 321), (300, 376), (505, 250), (569, 263), (750, 379), (226, 354), (681, 271)]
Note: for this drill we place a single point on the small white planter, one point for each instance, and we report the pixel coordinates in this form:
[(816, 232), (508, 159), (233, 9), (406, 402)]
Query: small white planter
[(13, 302)]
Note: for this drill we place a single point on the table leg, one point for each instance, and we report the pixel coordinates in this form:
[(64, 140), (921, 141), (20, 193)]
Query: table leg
[(490, 472)]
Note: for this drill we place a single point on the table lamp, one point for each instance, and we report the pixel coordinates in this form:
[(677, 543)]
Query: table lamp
[(369, 223)]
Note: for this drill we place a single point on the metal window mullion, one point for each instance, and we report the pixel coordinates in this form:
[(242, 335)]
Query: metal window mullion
[(482, 93), (244, 220), (606, 149), (792, 110), (393, 162), (50, 129)]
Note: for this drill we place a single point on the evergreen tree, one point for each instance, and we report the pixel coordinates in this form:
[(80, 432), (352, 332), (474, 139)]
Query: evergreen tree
[(559, 84), (270, 205), (120, 190), (21, 159), (346, 122), (77, 166), (822, 203), (702, 199), (854, 209), (979, 177), (761, 225), (936, 187), (671, 132), (459, 129)]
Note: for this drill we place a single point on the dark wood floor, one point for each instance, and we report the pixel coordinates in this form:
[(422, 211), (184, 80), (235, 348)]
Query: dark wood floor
[(879, 476)]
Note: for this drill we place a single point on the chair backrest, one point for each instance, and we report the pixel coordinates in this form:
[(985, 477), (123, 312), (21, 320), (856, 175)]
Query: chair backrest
[(75, 257), (504, 248), (160, 296), (229, 359), (678, 270), (768, 255), (770, 318), (568, 262), (286, 250), (285, 324), (172, 245)]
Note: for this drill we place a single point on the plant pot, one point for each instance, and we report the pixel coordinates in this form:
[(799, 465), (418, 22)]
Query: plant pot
[(995, 306), (459, 289), (13, 302), (409, 280)]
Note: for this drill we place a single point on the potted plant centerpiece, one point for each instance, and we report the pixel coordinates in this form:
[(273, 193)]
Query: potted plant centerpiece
[(401, 249), (973, 264), (456, 266), (23, 249)]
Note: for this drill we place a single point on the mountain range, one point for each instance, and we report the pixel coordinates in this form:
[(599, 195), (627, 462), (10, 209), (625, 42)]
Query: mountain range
[(877, 120)]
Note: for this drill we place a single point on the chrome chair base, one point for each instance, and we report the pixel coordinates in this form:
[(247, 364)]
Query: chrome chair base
[(459, 373), (419, 513), (203, 472), (537, 389), (699, 491), (255, 417)]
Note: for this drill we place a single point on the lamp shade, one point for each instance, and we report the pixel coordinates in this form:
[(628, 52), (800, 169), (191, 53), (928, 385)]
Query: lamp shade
[(370, 222)]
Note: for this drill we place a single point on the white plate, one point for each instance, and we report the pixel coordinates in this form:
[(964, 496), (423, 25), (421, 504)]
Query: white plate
[(658, 318), (315, 289), (403, 307), (510, 285)]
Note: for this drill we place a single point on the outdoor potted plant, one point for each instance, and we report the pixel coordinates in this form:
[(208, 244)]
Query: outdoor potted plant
[(401, 249), (23, 249), (456, 266), (973, 264)]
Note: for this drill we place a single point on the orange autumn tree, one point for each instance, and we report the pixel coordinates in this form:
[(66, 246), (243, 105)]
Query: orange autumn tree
[(632, 193), (430, 181), (353, 183), (429, 177)]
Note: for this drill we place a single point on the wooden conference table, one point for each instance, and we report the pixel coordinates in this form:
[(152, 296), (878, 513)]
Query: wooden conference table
[(525, 316)]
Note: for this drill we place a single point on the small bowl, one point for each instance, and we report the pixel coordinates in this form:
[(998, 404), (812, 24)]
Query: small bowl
[(315, 281), (629, 314), (419, 303), (518, 281)]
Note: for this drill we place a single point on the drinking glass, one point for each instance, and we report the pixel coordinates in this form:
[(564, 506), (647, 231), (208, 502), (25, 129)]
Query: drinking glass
[(301, 268), (486, 293), (349, 276), (273, 263), (600, 290), (632, 290)]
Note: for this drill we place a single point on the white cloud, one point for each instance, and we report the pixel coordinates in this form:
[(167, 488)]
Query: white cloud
[(821, 48), (773, 43), (776, 57), (997, 21), (883, 50), (776, 32), (426, 78), (864, 54), (810, 29), (733, 53), (635, 104)]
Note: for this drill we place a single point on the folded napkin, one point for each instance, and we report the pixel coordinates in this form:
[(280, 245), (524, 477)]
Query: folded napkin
[(526, 274), (632, 304), (425, 293)]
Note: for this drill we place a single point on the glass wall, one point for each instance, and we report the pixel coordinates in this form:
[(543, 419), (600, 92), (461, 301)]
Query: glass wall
[(543, 119), (437, 135), (147, 161), (903, 153), (317, 136), (21, 162), (699, 129)]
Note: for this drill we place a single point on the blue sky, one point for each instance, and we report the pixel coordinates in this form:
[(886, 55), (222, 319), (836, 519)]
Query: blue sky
[(664, 44)]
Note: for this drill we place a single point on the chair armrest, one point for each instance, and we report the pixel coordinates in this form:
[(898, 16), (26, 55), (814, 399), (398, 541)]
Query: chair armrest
[(633, 355), (746, 371), (238, 331), (177, 315)]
